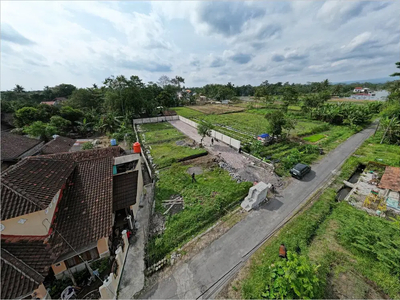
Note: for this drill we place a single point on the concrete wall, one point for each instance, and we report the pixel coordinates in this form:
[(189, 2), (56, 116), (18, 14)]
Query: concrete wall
[(58, 268), (110, 286), (155, 119), (102, 247), (33, 224), (219, 136), (41, 293)]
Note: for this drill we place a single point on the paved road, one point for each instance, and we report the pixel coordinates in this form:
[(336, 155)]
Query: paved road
[(200, 277)]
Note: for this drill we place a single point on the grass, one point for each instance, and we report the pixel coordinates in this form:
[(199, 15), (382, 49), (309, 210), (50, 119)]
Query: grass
[(161, 139), (314, 138), (187, 112), (205, 201)]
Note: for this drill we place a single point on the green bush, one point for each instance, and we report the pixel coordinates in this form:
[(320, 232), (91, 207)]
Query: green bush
[(87, 146), (101, 264), (58, 286)]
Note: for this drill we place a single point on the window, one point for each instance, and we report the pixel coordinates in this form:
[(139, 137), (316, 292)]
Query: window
[(86, 256)]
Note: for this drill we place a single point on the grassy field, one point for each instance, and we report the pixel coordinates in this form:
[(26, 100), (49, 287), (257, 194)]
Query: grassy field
[(358, 254), (245, 126), (314, 138), (206, 201), (161, 139), (216, 109)]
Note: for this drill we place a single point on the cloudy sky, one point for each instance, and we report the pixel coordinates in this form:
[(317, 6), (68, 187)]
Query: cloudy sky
[(77, 42)]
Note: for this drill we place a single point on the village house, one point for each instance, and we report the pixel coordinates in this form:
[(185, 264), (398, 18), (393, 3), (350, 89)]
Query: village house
[(56, 101), (61, 211)]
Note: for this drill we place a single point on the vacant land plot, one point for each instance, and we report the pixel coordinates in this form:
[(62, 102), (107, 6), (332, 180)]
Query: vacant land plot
[(215, 109), (205, 201), (166, 144)]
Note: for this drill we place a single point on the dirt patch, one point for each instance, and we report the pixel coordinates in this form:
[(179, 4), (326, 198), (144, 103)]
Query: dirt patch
[(195, 170), (157, 224), (180, 143)]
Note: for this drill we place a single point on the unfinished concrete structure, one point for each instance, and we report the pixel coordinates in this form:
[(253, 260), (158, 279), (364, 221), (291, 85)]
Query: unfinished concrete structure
[(257, 194)]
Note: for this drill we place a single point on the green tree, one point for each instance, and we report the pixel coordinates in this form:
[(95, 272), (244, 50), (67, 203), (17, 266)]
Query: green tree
[(48, 93), (277, 121), (87, 146), (294, 278), (71, 114), (25, 116), (90, 98), (204, 129), (396, 73), (290, 96), (60, 123), (45, 112), (84, 127), (19, 89), (63, 90), (42, 130)]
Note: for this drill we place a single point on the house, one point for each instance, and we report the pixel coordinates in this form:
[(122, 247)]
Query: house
[(57, 145), (15, 147), (358, 89), (55, 101), (390, 181), (61, 211)]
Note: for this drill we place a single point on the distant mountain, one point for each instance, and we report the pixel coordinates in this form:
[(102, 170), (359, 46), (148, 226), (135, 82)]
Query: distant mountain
[(375, 80)]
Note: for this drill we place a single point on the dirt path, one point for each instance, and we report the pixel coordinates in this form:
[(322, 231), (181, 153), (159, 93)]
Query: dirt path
[(247, 169)]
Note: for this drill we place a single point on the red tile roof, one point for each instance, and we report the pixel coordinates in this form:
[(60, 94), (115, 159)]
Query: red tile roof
[(124, 190), (86, 205), (48, 102), (84, 213), (13, 145), (391, 179), (33, 179), (17, 279), (59, 144)]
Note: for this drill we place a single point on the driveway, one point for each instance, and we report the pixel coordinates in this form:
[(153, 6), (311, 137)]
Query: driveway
[(206, 272)]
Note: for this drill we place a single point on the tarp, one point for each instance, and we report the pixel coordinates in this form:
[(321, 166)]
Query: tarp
[(264, 135)]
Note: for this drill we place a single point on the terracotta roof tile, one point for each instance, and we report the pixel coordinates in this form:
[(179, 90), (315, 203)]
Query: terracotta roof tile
[(59, 144), (13, 145), (86, 205), (34, 179), (124, 190), (391, 179)]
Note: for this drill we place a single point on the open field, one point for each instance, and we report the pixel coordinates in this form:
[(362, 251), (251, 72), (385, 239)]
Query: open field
[(166, 144), (358, 254), (205, 201), (216, 109), (245, 126)]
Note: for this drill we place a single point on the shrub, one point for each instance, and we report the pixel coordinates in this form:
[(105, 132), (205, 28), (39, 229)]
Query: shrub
[(87, 146)]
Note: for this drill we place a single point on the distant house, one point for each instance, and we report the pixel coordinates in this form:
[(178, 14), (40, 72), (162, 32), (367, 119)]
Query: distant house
[(57, 145), (59, 212), (358, 89), (15, 147), (55, 101)]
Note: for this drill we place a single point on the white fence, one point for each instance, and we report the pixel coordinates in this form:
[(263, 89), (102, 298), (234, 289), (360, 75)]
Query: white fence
[(155, 119), (217, 135), (110, 286)]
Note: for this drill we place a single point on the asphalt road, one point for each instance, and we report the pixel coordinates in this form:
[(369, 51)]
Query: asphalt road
[(206, 272)]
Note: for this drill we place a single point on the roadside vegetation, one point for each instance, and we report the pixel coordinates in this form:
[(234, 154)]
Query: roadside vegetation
[(345, 252)]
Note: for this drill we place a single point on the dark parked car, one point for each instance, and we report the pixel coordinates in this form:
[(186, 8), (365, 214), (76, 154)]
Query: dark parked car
[(300, 170)]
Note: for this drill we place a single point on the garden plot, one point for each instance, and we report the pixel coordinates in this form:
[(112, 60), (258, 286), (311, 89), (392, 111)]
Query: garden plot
[(166, 144)]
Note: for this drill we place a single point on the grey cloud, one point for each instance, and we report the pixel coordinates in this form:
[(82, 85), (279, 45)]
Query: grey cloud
[(9, 34), (228, 18), (195, 63), (278, 57), (240, 58), (144, 66), (258, 45), (269, 31), (217, 62), (35, 63)]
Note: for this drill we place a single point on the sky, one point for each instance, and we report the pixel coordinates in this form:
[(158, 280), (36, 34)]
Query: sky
[(46, 43)]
